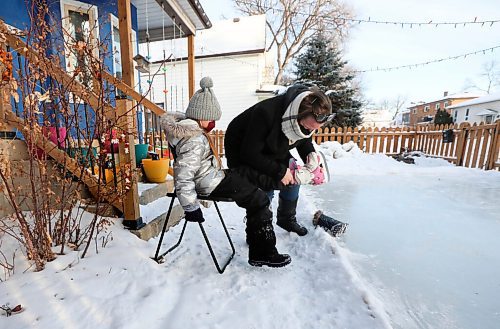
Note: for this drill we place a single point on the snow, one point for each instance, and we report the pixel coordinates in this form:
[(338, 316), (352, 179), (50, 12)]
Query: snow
[(154, 209), (323, 287), (480, 100), (122, 287)]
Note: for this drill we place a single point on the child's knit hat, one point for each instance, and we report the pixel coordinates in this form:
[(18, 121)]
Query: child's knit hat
[(204, 105)]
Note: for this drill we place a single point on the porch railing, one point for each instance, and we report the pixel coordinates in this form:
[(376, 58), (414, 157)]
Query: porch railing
[(87, 97)]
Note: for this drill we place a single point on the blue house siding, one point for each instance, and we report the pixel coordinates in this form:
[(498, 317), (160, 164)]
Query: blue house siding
[(16, 14)]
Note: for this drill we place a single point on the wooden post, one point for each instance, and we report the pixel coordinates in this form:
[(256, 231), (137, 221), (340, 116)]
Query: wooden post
[(126, 50), (125, 115), (482, 154), (361, 143), (494, 147), (191, 65), (462, 142), (369, 135)]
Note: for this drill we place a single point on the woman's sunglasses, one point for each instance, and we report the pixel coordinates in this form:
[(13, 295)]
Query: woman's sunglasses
[(322, 118)]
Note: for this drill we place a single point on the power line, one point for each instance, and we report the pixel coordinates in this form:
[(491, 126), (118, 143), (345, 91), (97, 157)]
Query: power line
[(402, 24), (410, 66)]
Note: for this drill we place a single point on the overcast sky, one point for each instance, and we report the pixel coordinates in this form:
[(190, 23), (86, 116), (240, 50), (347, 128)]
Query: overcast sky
[(377, 45)]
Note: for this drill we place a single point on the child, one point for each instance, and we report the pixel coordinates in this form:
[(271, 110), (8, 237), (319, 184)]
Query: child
[(197, 170)]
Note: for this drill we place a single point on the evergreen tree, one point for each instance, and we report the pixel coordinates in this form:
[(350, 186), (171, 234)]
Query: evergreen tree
[(321, 64), (442, 117)]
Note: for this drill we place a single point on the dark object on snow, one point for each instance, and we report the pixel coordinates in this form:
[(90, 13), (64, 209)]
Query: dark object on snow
[(404, 157), (9, 311), (331, 225), (448, 136)]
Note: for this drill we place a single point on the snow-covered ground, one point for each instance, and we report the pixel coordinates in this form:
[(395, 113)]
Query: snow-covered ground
[(329, 284)]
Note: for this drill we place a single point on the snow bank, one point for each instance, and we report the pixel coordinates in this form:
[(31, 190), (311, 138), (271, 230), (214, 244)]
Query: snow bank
[(122, 287), (348, 159)]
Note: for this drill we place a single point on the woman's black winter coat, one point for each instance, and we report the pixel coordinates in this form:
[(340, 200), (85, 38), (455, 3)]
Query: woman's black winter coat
[(254, 138)]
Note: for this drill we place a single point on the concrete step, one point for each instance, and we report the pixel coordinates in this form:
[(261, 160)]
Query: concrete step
[(154, 227), (154, 206), (152, 192)]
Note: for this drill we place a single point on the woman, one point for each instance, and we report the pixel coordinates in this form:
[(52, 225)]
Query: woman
[(197, 171), (260, 140)]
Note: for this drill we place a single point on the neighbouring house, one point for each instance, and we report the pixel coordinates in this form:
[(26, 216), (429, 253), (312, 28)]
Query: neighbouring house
[(484, 109), (85, 34), (402, 119), (232, 52), (424, 112), (377, 118)]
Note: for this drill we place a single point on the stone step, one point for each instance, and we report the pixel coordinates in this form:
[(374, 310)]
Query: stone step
[(152, 192), (154, 227)]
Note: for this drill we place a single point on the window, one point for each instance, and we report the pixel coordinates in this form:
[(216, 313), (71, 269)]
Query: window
[(438, 106), (117, 55), (488, 119), (467, 115), (79, 21), (414, 111), (455, 115), (446, 104), (427, 108)]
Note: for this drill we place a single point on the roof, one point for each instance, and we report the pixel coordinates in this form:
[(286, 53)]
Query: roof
[(451, 96), (189, 17), (487, 112), (236, 36), (480, 100)]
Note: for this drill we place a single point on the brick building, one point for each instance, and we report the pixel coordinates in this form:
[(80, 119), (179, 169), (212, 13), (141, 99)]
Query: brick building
[(425, 112)]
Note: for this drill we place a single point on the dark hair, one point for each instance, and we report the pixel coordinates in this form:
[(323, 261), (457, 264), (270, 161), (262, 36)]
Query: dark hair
[(316, 102)]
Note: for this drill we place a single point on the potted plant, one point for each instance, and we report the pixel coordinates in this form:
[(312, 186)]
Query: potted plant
[(156, 168)]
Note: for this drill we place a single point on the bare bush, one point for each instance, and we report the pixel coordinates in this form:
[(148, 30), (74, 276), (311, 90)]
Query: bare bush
[(60, 102)]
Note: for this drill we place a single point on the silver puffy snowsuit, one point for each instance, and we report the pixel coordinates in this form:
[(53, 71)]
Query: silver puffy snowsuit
[(196, 169)]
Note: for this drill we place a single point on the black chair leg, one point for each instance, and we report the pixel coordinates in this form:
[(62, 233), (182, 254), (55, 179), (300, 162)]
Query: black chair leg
[(216, 263), (160, 258)]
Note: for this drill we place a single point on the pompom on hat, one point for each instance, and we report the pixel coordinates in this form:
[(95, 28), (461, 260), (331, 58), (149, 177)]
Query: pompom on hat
[(204, 105)]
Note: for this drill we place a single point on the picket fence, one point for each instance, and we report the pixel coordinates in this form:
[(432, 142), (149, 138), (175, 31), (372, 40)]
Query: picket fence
[(472, 146)]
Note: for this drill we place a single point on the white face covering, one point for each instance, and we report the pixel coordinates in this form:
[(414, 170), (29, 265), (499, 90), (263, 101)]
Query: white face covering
[(289, 124)]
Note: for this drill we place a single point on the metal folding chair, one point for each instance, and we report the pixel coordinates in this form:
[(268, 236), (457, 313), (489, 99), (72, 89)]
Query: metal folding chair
[(160, 258)]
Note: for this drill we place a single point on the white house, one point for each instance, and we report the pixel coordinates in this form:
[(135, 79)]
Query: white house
[(482, 109), (232, 53)]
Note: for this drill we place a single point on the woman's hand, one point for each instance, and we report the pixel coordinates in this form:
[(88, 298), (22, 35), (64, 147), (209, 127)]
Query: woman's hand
[(288, 178)]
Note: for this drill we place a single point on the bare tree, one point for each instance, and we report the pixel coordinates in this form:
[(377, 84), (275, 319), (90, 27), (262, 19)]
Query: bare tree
[(292, 23), (489, 76), (397, 105), (393, 105)]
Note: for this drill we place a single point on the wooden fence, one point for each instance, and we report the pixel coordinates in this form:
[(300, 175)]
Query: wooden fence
[(476, 146)]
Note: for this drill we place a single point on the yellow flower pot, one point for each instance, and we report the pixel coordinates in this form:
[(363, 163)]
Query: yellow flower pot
[(156, 170)]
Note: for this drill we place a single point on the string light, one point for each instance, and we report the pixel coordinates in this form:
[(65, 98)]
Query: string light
[(402, 24), (410, 66)]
